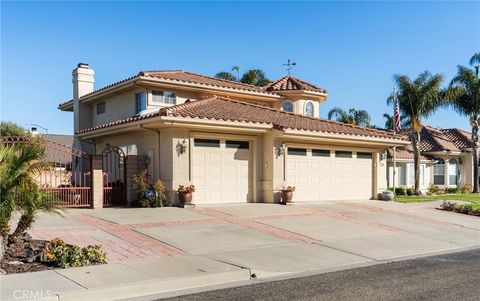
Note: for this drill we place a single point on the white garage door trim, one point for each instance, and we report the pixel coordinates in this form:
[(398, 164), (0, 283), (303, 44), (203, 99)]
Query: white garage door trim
[(222, 173), (324, 176)]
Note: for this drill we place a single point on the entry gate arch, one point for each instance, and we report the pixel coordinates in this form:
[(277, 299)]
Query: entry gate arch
[(114, 176)]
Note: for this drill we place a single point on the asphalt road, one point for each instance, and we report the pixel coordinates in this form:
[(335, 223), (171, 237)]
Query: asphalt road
[(454, 276)]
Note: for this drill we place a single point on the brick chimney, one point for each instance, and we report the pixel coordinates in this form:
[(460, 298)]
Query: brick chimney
[(83, 80)]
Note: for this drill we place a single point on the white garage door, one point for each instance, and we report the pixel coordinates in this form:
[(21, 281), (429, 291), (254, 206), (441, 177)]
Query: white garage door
[(320, 174), (221, 171)]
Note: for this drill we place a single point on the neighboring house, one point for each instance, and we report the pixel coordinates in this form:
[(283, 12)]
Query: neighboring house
[(446, 161), (235, 142)]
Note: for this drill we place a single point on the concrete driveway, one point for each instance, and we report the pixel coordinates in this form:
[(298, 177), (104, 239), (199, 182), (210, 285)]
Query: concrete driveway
[(269, 239)]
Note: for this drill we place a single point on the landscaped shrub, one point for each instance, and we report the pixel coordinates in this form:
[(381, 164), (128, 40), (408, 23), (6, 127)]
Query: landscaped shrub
[(433, 189), (70, 256), (400, 191), (452, 190), (467, 188), (410, 191), (464, 208), (150, 194), (447, 205)]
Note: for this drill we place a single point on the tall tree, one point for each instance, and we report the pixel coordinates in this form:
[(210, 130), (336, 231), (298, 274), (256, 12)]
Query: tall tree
[(418, 99), (226, 75), (475, 61), (237, 70), (353, 116), (255, 77), (464, 96)]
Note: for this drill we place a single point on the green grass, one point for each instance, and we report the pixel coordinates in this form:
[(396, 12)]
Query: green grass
[(473, 198)]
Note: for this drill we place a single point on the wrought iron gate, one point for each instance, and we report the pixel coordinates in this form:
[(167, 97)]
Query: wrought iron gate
[(114, 171), (67, 175)]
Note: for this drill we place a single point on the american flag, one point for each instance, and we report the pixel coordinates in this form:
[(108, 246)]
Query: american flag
[(396, 114)]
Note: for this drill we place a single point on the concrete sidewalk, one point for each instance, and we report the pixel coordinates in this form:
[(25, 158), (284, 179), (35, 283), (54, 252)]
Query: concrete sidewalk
[(167, 250)]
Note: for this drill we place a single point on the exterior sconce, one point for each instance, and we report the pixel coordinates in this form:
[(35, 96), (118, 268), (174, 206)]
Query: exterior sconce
[(384, 156), (182, 147), (280, 150)]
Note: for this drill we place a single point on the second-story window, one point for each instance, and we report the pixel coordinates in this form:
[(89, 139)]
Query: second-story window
[(309, 111), (287, 106), (163, 97), (101, 108), (140, 102)]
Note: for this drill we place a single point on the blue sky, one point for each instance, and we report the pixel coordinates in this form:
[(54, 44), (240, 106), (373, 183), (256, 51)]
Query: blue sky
[(350, 48)]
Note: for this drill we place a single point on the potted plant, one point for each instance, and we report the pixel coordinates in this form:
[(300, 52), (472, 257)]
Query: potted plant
[(185, 194), (287, 194)]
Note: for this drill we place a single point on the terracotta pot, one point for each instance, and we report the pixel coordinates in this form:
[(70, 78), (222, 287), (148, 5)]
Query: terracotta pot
[(287, 196), (185, 198)]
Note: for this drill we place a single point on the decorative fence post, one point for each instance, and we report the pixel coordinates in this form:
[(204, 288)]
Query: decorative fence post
[(97, 181)]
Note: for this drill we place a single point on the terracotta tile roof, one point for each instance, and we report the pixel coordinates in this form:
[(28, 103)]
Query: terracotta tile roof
[(291, 83), (187, 77), (459, 137), (405, 153), (119, 122), (194, 78), (436, 140), (218, 108)]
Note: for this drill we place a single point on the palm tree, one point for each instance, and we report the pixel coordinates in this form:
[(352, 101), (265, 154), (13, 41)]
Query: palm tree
[(475, 60), (236, 69), (418, 99), (353, 116), (390, 121), (226, 75), (464, 96)]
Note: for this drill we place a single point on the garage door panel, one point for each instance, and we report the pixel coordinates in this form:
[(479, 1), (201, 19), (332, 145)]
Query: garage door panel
[(329, 178), (221, 174)]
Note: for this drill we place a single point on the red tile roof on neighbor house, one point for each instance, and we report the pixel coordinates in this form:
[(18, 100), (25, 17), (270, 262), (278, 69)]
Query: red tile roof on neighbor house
[(223, 109), (291, 83), (436, 140)]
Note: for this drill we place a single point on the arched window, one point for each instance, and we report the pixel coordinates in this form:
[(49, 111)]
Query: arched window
[(452, 172), (287, 106), (439, 173), (309, 110)]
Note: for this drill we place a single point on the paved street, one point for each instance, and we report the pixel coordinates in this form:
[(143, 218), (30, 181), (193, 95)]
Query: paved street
[(448, 277)]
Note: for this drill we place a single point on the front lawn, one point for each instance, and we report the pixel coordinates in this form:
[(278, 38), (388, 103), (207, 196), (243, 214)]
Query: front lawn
[(473, 198)]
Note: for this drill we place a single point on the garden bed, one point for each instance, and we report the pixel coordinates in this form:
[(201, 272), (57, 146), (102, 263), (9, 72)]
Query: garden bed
[(16, 259), (29, 255)]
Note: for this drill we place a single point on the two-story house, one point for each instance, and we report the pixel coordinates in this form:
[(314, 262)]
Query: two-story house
[(235, 142)]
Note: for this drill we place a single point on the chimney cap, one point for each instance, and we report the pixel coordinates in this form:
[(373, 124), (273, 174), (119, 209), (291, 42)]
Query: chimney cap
[(82, 65)]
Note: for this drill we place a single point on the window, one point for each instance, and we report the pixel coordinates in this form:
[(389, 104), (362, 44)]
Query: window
[(361, 155), (237, 144), (287, 106), (343, 154), (297, 151), (309, 111), (140, 102), (422, 174), (164, 97), (320, 153), (452, 172), (411, 174), (101, 108), (403, 175), (206, 143), (439, 173)]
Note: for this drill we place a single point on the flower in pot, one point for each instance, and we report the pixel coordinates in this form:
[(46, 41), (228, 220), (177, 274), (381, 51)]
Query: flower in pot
[(287, 194), (185, 194)]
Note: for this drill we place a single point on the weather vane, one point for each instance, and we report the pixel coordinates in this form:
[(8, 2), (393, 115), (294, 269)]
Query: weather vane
[(289, 66)]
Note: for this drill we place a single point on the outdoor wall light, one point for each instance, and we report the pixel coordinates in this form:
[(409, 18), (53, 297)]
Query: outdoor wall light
[(384, 156), (182, 146), (280, 150)]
